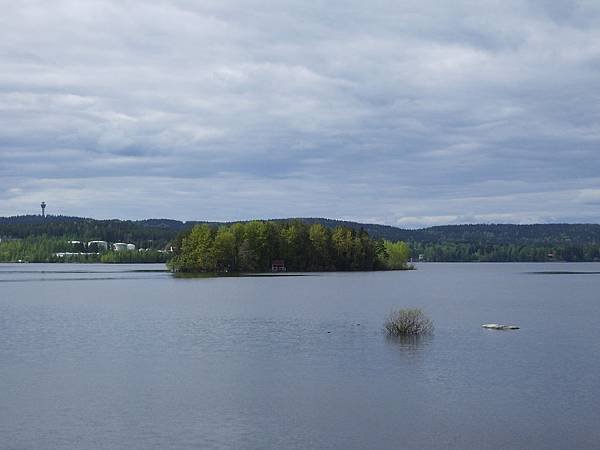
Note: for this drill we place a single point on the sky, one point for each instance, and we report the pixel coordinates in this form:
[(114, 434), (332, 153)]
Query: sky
[(406, 113)]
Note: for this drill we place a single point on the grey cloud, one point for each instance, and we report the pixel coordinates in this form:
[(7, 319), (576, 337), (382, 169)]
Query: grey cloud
[(405, 113)]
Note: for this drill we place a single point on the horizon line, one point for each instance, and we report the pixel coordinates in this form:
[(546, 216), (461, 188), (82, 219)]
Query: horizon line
[(300, 218)]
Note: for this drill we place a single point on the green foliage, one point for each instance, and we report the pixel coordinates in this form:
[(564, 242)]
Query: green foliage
[(252, 246), (482, 252), (44, 249), (398, 254), (144, 234), (32, 249), (225, 249), (322, 248), (148, 256), (492, 242), (407, 322)]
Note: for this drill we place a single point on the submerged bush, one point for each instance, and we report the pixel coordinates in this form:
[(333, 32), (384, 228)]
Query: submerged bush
[(407, 322)]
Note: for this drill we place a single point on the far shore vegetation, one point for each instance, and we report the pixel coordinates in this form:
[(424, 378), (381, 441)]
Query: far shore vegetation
[(34, 238), (263, 246), (46, 249)]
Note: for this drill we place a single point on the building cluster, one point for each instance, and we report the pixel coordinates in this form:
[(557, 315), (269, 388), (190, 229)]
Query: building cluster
[(95, 247), (104, 245)]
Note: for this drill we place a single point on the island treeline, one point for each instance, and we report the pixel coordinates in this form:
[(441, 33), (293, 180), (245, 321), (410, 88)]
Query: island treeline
[(254, 246)]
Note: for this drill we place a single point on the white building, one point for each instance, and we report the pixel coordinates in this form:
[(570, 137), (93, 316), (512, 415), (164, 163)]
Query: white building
[(102, 245), (119, 246), (122, 246)]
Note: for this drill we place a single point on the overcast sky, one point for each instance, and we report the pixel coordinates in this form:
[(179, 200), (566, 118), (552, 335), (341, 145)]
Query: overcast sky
[(408, 113)]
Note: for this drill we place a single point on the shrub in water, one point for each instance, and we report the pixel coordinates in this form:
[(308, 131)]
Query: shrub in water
[(407, 322)]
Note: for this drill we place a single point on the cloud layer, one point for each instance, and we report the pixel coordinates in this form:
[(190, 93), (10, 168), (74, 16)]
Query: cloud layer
[(408, 113)]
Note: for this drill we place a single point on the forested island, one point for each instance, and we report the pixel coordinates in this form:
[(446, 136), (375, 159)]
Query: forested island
[(35, 238), (262, 246)]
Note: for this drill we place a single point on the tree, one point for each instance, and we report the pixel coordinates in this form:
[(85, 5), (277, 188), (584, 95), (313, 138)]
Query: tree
[(197, 251), (225, 250), (252, 246), (320, 243), (398, 254)]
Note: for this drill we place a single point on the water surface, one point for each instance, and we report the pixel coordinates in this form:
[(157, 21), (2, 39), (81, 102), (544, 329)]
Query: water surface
[(126, 356)]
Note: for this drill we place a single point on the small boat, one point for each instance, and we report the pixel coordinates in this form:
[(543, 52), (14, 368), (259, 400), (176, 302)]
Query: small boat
[(497, 326)]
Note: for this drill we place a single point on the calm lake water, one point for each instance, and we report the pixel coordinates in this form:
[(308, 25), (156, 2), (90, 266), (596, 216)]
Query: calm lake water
[(124, 357)]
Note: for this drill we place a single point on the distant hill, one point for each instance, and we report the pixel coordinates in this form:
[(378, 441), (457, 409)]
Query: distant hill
[(481, 233), (161, 231), (559, 233), (148, 234)]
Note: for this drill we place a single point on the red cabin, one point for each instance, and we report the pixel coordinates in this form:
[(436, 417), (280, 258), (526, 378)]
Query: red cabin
[(278, 265)]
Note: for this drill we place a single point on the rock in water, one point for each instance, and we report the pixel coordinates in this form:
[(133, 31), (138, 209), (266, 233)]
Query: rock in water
[(497, 326)]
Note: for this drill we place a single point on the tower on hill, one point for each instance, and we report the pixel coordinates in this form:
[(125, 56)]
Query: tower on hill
[(43, 205)]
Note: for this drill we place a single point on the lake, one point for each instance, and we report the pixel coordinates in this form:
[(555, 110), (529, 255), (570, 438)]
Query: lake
[(128, 357)]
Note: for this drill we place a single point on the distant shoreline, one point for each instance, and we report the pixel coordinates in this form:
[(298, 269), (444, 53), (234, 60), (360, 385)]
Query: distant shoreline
[(448, 243)]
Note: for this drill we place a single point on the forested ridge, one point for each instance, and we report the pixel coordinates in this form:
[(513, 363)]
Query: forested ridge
[(151, 233), (480, 242)]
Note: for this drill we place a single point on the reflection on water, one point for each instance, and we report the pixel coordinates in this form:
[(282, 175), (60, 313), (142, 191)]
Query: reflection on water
[(20, 273), (83, 271), (410, 341), (411, 344), (104, 278), (25, 273), (192, 275), (118, 357), (564, 272)]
